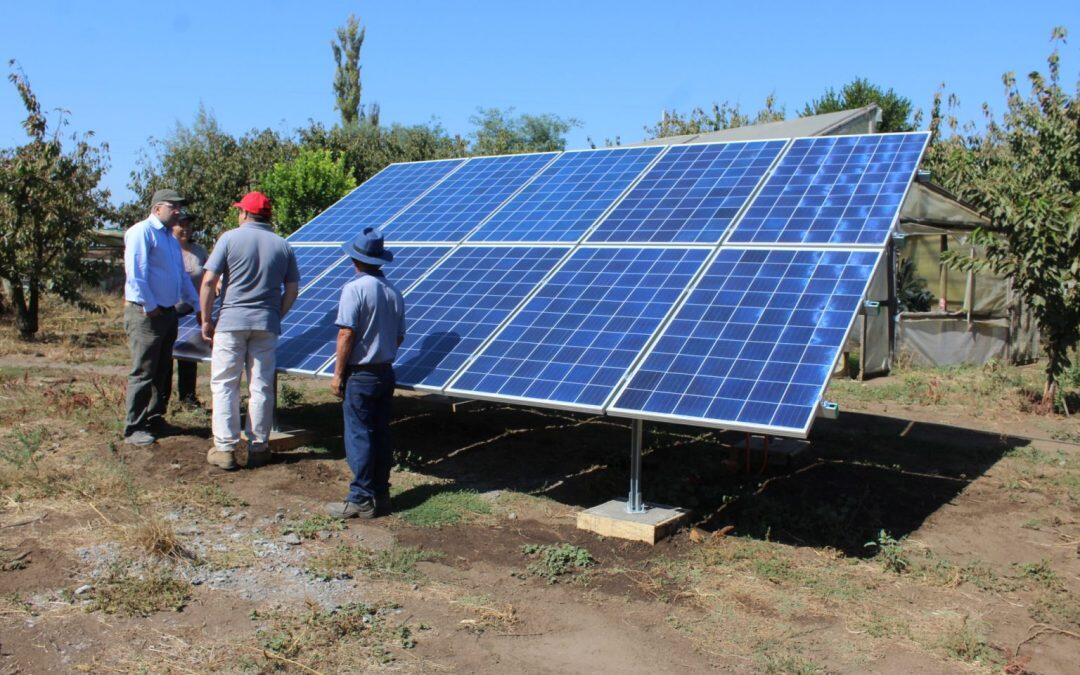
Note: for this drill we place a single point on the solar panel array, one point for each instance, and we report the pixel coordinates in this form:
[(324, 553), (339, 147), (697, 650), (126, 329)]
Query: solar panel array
[(711, 284)]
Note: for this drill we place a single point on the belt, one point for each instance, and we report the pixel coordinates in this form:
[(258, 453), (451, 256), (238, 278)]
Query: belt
[(367, 367), (163, 308)]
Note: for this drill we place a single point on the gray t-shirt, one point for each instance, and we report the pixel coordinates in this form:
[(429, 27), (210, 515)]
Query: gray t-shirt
[(254, 264), (375, 310)]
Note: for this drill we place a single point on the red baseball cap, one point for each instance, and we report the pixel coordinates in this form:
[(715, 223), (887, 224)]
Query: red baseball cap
[(255, 202)]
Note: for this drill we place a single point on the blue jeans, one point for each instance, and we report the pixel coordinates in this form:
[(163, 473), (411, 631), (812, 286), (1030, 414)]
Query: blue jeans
[(368, 449)]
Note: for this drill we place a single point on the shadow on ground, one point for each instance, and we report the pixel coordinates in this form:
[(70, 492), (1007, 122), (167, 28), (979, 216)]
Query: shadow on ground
[(860, 474)]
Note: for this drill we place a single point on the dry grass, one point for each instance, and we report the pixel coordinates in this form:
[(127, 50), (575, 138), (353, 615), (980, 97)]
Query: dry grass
[(142, 593), (70, 335), (155, 536)]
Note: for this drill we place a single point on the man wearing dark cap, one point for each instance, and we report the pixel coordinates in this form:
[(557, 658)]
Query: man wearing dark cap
[(259, 282), (371, 326), (155, 284)]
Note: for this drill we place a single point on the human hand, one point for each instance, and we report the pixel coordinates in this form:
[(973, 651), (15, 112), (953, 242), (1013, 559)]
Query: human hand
[(152, 314), (207, 331), (337, 385)]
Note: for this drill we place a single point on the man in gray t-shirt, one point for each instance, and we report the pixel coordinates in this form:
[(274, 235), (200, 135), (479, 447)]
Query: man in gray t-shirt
[(255, 265)]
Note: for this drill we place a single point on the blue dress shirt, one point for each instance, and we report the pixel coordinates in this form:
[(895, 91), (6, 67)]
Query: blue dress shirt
[(154, 267)]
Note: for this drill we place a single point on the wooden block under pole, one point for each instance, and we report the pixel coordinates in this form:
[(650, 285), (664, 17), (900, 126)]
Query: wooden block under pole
[(610, 519), (283, 440)]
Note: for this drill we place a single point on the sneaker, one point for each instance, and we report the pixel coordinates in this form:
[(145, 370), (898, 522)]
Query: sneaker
[(382, 505), (222, 459), (141, 438), (343, 510), (257, 458)]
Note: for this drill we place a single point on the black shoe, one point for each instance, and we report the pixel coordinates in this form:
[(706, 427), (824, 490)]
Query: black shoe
[(382, 505), (364, 509)]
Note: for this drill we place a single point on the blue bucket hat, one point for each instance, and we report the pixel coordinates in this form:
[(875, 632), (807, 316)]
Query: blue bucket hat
[(368, 248)]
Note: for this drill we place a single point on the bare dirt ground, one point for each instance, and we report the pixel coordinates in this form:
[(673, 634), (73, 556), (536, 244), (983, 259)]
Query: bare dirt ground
[(115, 559)]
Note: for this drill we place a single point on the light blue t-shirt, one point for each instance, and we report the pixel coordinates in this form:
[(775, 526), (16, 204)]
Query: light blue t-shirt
[(254, 264), (375, 310)]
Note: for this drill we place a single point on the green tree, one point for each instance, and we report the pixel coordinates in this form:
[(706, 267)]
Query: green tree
[(896, 110), (1024, 173), (209, 166), (50, 203), (303, 187), (346, 50), (719, 117), (366, 149), (499, 132)]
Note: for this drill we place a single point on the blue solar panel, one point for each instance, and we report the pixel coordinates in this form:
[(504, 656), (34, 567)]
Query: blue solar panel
[(374, 202), (189, 343), (568, 196), (461, 303), (308, 333), (312, 260), (690, 195), (833, 190), (575, 339), (755, 343), (457, 205)]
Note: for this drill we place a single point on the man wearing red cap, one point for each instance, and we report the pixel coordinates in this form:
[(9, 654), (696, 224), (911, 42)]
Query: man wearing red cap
[(255, 265)]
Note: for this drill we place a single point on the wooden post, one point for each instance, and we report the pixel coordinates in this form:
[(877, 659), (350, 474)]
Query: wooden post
[(943, 277)]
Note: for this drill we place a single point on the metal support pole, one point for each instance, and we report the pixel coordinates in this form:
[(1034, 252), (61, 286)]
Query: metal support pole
[(634, 503)]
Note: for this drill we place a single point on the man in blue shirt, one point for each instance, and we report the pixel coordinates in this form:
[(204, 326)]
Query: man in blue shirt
[(371, 327), (155, 282), (259, 282)]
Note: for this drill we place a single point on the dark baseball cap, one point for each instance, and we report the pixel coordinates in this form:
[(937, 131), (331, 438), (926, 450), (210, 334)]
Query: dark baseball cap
[(167, 195)]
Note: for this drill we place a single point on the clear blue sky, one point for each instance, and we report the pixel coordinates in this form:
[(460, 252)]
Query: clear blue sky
[(132, 70)]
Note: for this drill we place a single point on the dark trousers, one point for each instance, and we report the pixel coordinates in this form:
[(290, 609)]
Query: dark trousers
[(150, 381), (186, 374), (368, 449)]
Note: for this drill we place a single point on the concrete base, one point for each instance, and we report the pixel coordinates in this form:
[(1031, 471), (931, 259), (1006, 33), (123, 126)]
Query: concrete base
[(610, 519), (284, 440)]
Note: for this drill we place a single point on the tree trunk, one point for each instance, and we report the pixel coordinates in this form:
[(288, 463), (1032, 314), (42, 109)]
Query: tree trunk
[(26, 313), (1050, 388)]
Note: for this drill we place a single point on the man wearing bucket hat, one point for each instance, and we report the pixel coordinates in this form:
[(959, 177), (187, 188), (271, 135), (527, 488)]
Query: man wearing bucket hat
[(371, 326), (155, 283), (254, 265)]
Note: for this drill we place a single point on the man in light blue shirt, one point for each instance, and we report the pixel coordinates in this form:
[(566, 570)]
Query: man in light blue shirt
[(371, 327), (155, 283)]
